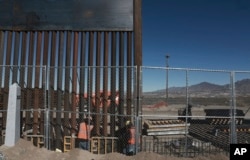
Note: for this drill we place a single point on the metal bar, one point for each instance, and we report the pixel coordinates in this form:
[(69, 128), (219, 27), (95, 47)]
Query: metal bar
[(1, 57), (38, 59), (186, 118), (233, 133), (42, 90), (22, 74), (52, 51), (138, 48), (59, 78), (37, 79), (47, 117), (45, 49), (138, 58), (52, 60), (121, 79), (105, 84), (90, 73), (6, 78), (67, 80), (16, 53), (113, 83), (129, 73), (8, 58), (97, 81), (30, 60), (1, 71), (29, 93), (74, 83), (82, 74)]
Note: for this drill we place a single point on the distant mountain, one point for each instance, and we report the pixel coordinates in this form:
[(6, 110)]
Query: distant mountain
[(242, 87), (206, 86)]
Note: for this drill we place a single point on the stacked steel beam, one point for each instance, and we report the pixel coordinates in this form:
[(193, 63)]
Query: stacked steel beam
[(165, 127)]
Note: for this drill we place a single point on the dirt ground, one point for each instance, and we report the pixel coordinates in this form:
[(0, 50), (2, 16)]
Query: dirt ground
[(25, 150)]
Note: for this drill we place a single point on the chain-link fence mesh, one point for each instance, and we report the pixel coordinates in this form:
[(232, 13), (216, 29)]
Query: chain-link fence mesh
[(183, 112), (33, 99), (194, 111)]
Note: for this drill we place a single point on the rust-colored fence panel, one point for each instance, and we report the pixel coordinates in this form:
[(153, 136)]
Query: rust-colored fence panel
[(55, 49), (71, 51)]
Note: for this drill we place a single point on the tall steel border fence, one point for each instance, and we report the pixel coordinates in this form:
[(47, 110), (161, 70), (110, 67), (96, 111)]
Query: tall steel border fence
[(181, 111)]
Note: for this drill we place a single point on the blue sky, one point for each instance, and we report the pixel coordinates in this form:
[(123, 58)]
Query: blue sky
[(203, 34), (213, 34)]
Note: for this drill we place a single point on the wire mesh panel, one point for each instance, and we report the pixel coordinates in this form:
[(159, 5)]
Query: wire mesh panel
[(212, 104), (82, 92), (33, 98), (193, 112), (241, 113)]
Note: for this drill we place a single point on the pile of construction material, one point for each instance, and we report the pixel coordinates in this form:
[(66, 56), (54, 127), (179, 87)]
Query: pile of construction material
[(223, 116), (158, 127)]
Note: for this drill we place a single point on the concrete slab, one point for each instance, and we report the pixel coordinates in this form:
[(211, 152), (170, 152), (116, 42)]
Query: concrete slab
[(12, 134)]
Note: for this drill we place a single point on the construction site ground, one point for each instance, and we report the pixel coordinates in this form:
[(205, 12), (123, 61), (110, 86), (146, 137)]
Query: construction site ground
[(25, 150)]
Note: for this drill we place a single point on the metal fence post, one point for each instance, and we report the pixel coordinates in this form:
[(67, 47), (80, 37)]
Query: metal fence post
[(47, 109), (233, 133), (138, 141), (187, 116)]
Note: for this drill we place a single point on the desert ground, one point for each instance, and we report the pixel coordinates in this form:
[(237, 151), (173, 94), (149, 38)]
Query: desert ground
[(25, 150)]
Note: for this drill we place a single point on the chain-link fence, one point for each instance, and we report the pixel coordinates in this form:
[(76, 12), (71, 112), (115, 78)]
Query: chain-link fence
[(182, 112), (56, 100), (32, 81), (186, 112)]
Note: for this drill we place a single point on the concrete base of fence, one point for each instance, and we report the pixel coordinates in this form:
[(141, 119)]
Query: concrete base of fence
[(12, 134)]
